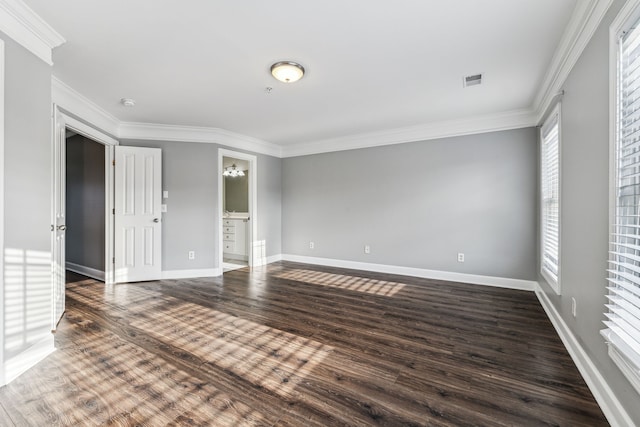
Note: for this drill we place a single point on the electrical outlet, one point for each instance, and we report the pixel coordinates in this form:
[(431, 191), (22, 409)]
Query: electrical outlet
[(367, 249), (165, 194), (312, 245), (460, 257), (574, 308), (192, 254)]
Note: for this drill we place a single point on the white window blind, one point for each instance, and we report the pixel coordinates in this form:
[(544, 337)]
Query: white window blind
[(550, 188), (623, 308)]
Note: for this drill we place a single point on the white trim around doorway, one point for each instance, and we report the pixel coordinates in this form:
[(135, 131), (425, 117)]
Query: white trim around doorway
[(2, 308), (256, 248), (102, 138)]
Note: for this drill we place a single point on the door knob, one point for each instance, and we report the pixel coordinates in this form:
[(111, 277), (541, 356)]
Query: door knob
[(156, 219), (62, 227)]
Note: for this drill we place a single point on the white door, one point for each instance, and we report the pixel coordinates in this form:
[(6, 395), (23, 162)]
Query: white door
[(138, 231), (58, 222)]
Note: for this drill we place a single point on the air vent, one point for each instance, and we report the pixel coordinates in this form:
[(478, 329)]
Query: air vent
[(473, 80)]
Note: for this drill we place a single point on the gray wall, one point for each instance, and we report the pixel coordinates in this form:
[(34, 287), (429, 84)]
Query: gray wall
[(27, 163), (585, 206), (85, 202), (190, 174), (236, 193), (270, 203), (419, 204)]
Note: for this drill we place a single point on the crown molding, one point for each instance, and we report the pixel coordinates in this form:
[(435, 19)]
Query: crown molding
[(75, 103), (157, 132), (81, 107), (24, 26), (78, 105), (444, 129), (584, 21)]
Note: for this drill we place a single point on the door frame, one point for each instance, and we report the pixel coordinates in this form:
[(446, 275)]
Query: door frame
[(95, 135), (256, 253), (58, 204), (2, 160)]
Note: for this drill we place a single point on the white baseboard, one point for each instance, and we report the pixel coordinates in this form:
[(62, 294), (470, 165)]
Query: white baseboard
[(86, 271), (500, 282), (609, 403), (191, 274), (273, 258), (20, 363)]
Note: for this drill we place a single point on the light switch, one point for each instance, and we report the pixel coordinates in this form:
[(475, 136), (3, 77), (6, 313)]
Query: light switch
[(165, 194), (163, 208)]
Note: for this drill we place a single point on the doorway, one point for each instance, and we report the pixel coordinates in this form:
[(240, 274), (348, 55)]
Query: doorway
[(237, 202), (64, 125), (85, 206), (137, 176)]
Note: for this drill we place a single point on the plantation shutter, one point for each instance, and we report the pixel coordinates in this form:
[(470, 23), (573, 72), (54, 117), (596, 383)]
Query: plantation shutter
[(550, 174), (623, 314)]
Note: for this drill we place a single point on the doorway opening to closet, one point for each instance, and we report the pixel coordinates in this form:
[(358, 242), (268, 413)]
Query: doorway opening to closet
[(85, 206), (91, 154)]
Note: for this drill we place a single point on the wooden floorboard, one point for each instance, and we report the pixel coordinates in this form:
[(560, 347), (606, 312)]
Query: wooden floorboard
[(5, 419), (298, 345)]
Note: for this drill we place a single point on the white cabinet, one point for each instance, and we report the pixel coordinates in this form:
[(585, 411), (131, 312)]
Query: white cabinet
[(234, 238)]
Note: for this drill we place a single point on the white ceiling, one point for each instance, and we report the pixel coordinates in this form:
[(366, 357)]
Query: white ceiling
[(372, 65)]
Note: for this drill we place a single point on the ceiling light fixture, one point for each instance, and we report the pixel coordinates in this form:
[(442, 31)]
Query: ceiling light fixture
[(287, 71), (232, 171), (128, 102)]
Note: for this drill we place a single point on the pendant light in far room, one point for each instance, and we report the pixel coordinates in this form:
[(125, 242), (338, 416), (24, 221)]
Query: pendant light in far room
[(232, 171)]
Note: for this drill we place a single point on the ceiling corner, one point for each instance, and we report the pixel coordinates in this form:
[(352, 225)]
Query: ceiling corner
[(24, 26), (73, 102), (161, 132), (79, 106), (584, 21)]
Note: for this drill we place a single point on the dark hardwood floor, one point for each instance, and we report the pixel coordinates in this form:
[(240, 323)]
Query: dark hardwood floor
[(298, 345)]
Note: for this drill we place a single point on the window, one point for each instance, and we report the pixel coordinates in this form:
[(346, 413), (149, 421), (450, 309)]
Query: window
[(550, 204), (623, 309)]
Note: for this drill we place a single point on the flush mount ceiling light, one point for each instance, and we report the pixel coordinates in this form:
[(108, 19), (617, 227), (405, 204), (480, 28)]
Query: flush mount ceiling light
[(232, 171), (287, 71)]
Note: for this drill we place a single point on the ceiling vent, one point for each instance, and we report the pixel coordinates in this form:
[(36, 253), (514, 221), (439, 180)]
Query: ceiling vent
[(473, 80)]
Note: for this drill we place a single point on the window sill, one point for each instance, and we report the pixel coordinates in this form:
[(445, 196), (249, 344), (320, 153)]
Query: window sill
[(627, 368), (554, 284)]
